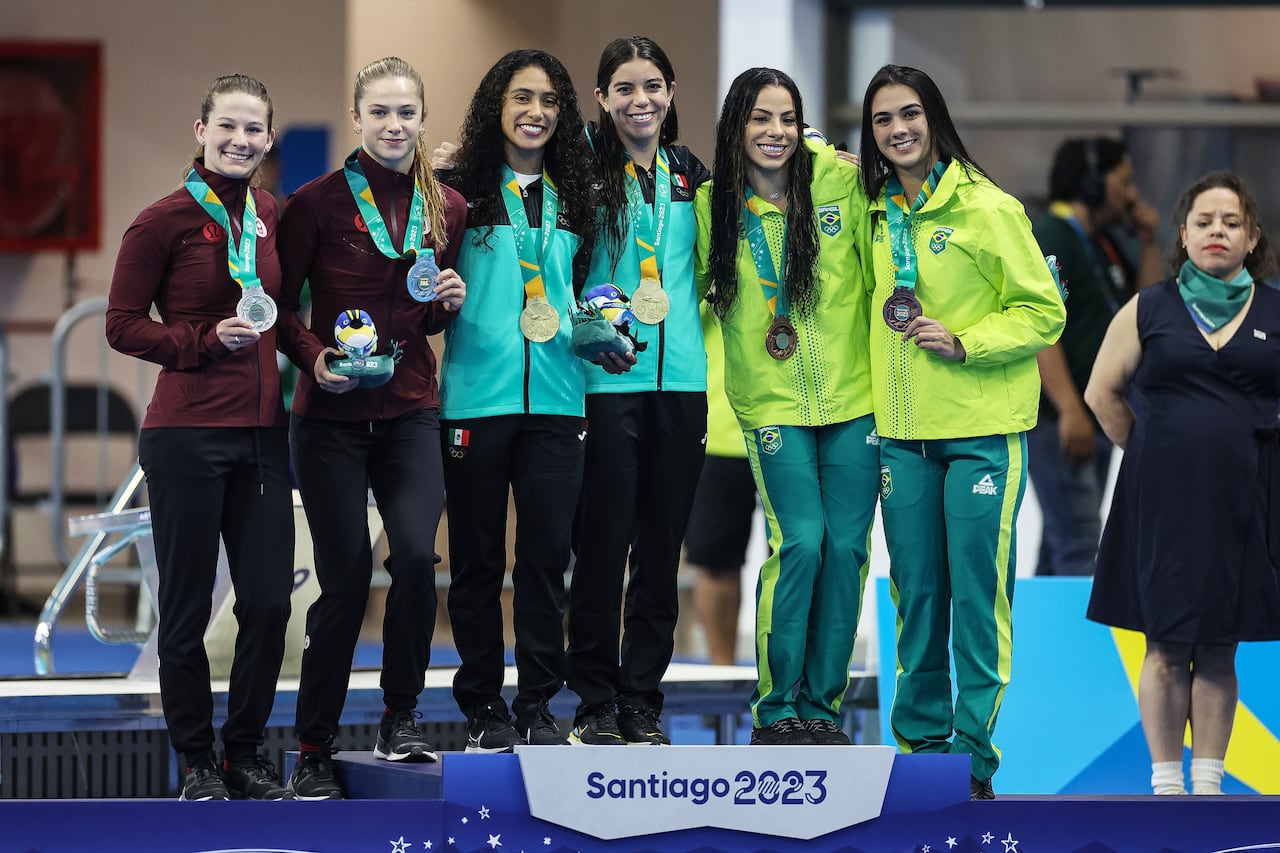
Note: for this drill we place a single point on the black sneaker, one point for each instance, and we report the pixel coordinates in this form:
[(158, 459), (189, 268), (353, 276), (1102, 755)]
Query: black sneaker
[(598, 728), (400, 739), (204, 780), (313, 778), (254, 779), (538, 727), (489, 730), (825, 733), (639, 726), (785, 732), (980, 790)]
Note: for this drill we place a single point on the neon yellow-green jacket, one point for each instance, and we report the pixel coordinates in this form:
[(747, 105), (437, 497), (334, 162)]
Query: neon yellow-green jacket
[(827, 380), (982, 275)]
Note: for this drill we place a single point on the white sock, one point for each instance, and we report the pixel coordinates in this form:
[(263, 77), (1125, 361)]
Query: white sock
[(1206, 776), (1166, 777)]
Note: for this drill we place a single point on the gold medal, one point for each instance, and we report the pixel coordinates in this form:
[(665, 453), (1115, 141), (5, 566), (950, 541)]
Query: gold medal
[(539, 322), (650, 302)]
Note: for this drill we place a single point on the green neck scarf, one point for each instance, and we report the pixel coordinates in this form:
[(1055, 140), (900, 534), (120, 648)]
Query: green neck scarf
[(1211, 301)]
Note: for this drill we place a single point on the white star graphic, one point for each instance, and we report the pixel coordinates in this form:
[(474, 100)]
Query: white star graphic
[(546, 842), (484, 812), (925, 848), (466, 820), (451, 841), (987, 837), (494, 842), (951, 841), (1010, 844), (427, 844), (400, 846)]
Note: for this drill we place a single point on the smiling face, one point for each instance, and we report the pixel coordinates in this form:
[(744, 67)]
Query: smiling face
[(1217, 234), (772, 133), (902, 131), (530, 111), (637, 101), (389, 120), (237, 135)]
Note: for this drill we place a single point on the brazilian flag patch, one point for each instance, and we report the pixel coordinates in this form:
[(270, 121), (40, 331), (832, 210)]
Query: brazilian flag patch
[(938, 242), (829, 219), (886, 482), (770, 439)]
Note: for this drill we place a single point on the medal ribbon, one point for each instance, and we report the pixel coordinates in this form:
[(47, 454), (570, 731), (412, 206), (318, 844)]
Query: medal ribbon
[(243, 265), (899, 213), (363, 194), (772, 284), (648, 223), (531, 252)]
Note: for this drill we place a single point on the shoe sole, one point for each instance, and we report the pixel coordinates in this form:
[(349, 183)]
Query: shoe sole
[(574, 740), (303, 799), (488, 750), (182, 798), (416, 755), (647, 743)]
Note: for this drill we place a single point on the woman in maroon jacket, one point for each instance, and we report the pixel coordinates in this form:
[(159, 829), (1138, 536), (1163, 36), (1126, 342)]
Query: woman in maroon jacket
[(358, 235), (213, 444)]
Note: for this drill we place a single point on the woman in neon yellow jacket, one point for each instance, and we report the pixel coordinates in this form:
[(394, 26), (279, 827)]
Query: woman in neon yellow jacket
[(962, 302), (777, 250)]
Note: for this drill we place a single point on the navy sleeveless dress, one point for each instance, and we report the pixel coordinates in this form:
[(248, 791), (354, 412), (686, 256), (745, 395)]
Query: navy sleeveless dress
[(1191, 547)]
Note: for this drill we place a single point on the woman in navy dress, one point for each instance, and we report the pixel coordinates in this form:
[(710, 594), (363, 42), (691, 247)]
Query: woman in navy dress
[(1184, 557)]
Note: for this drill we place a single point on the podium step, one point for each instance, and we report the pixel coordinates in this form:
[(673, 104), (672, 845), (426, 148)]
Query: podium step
[(364, 777)]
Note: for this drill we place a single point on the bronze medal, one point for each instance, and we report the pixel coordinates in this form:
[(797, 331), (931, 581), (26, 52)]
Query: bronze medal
[(781, 339), (901, 308), (539, 322), (650, 302)]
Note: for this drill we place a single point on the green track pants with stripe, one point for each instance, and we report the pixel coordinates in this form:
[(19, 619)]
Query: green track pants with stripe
[(949, 508), (818, 487)]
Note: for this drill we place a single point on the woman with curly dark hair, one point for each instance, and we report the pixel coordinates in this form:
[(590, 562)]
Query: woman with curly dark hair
[(649, 423), (512, 389), (780, 229)]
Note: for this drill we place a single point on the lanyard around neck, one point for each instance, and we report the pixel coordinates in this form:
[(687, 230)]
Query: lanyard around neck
[(531, 251), (242, 264), (363, 194)]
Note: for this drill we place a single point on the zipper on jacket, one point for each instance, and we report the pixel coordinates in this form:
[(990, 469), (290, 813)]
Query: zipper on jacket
[(527, 370), (662, 349)]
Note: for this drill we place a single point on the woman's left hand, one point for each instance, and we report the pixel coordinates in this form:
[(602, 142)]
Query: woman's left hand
[(450, 289), (931, 335), (614, 363)]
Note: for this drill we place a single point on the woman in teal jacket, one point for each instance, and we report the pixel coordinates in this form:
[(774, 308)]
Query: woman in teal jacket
[(512, 390), (962, 301), (648, 424), (779, 230)]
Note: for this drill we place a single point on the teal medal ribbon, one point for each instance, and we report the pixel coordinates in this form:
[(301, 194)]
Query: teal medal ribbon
[(539, 321), (649, 302), (1211, 301), (780, 340), (242, 264), (363, 194), (902, 306)]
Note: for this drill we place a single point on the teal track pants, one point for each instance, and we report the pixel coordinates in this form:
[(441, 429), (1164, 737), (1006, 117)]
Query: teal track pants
[(949, 509), (818, 486)]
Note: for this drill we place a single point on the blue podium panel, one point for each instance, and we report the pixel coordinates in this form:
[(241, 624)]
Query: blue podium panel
[(168, 826)]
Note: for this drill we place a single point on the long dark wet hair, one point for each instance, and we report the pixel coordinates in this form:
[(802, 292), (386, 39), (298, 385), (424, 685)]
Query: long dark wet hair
[(728, 197)]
